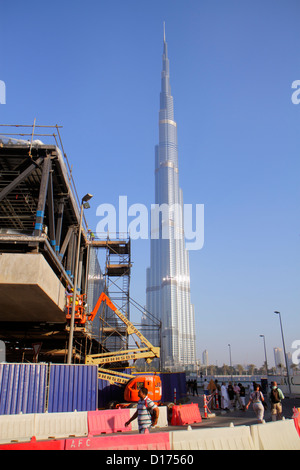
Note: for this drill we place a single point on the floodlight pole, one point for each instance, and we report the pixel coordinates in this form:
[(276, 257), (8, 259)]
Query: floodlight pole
[(229, 345), (286, 364), (263, 336), (86, 198)]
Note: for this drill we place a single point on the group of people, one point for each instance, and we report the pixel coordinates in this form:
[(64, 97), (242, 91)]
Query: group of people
[(192, 387), (228, 397), (225, 397)]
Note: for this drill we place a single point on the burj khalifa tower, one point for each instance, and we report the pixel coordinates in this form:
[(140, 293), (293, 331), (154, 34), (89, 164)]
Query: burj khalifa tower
[(168, 277)]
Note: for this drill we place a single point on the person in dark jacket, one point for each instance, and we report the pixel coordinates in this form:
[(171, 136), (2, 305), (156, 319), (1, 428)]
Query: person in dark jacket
[(276, 396), (230, 393), (242, 395), (195, 387)]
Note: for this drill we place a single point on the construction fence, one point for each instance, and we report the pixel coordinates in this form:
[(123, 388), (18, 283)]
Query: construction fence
[(52, 388)]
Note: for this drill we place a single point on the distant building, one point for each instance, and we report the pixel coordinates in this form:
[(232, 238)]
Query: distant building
[(168, 278), (205, 358), (279, 358)]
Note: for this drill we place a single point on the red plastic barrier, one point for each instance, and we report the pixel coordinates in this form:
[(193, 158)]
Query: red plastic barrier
[(154, 441), (35, 445), (108, 421), (185, 414), (296, 417)]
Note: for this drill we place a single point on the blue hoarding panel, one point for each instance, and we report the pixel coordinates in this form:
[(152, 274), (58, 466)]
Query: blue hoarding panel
[(109, 393), (172, 381), (72, 387), (22, 388)]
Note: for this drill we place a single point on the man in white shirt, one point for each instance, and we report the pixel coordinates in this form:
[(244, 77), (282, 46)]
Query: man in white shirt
[(225, 397)]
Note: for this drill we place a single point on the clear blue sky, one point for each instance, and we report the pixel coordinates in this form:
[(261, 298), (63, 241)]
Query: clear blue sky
[(94, 67)]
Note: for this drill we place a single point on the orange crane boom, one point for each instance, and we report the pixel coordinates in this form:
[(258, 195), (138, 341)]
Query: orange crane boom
[(147, 351)]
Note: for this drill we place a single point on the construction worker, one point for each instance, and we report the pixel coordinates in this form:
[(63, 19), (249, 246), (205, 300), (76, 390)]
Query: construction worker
[(91, 234)]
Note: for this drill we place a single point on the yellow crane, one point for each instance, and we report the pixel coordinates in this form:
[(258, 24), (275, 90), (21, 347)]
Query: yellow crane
[(144, 350)]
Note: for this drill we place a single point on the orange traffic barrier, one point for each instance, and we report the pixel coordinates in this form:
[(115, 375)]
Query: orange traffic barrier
[(108, 421), (151, 441), (185, 414), (296, 417)]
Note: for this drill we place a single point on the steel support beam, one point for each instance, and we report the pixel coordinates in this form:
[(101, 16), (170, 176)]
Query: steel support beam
[(66, 241), (22, 176), (51, 220), (42, 197), (59, 221)]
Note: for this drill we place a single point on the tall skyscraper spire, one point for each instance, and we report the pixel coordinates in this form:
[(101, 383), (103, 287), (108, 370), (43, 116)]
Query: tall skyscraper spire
[(168, 278)]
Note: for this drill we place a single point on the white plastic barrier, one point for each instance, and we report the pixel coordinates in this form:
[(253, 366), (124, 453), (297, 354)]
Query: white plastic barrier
[(22, 427), (61, 425), (231, 438), (162, 419), (16, 428), (278, 435)]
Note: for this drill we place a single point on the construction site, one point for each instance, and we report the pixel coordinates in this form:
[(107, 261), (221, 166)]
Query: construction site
[(75, 366)]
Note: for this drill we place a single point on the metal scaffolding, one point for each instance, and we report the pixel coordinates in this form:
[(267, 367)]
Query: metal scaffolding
[(113, 333)]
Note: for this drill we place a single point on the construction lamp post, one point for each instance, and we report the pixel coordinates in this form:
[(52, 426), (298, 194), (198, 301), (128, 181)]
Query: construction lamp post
[(263, 336), (286, 364), (84, 205)]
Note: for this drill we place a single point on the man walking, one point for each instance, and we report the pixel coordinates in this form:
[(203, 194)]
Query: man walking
[(147, 412), (225, 397), (242, 395), (276, 396)]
